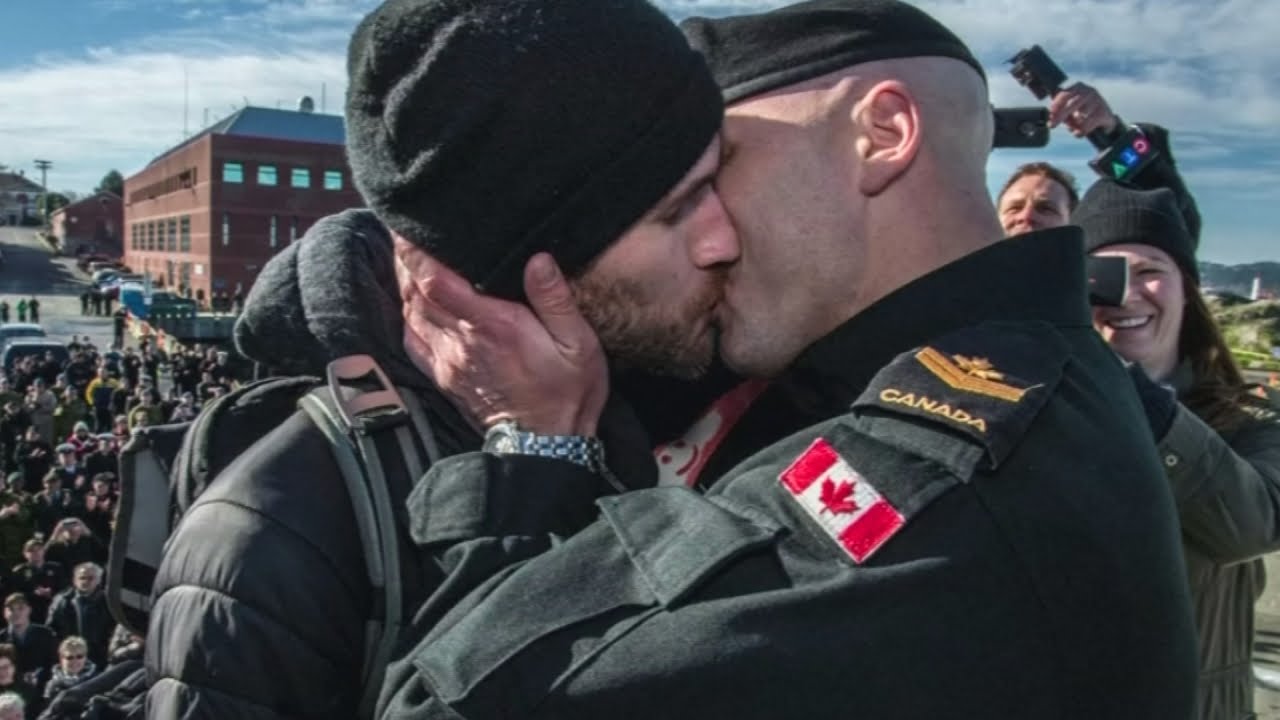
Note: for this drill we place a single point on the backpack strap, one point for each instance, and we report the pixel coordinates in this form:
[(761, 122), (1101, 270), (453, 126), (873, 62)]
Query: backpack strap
[(356, 408)]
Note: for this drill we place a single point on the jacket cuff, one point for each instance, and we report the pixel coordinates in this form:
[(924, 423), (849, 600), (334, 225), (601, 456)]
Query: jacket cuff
[(1182, 452), (477, 494)]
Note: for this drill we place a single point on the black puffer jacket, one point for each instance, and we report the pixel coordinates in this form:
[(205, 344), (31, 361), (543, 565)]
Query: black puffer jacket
[(262, 598)]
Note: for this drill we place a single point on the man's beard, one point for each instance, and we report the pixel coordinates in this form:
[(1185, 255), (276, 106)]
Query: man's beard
[(636, 334)]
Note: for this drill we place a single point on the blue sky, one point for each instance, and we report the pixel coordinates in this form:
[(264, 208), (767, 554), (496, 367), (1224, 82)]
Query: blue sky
[(99, 84)]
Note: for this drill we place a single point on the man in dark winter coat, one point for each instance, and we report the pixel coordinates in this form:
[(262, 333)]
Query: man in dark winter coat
[(82, 610), (616, 186), (37, 644)]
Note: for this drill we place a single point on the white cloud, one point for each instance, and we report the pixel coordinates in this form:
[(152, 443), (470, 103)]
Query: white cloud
[(1205, 70)]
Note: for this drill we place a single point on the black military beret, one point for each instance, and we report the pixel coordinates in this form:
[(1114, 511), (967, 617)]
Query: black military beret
[(753, 54)]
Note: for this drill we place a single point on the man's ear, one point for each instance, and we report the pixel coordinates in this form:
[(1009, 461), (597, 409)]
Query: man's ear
[(887, 120)]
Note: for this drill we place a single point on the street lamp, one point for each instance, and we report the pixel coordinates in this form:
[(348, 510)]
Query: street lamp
[(43, 166)]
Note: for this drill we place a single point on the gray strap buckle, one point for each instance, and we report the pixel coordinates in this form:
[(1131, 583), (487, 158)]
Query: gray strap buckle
[(364, 410)]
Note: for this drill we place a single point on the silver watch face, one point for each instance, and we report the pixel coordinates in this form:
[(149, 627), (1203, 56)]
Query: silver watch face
[(501, 439), (503, 444)]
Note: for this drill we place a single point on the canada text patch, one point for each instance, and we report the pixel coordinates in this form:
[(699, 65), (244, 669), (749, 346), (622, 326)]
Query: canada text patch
[(844, 503), (987, 382)]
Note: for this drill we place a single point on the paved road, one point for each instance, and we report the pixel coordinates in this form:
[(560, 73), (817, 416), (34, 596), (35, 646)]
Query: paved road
[(31, 270)]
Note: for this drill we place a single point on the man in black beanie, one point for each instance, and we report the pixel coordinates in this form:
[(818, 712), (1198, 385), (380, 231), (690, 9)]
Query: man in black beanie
[(944, 504), (485, 133)]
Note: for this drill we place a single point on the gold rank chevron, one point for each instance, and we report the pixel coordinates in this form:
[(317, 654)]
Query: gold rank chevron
[(960, 379)]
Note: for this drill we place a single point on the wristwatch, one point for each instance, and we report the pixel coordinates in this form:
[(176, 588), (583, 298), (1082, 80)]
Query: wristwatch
[(506, 438)]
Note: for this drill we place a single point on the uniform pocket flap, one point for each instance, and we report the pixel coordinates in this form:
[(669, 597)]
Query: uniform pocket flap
[(676, 538)]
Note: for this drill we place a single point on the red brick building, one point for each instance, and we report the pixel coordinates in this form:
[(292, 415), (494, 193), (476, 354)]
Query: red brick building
[(205, 216), (92, 224)]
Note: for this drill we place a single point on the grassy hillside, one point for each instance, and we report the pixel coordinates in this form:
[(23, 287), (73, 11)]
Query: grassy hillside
[(1251, 329)]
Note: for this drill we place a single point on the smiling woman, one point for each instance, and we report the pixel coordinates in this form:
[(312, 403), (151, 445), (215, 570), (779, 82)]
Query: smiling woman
[(1220, 442)]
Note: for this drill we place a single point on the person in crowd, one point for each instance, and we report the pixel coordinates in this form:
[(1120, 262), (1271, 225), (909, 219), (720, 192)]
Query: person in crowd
[(148, 412), (1040, 196), (123, 396), (105, 458), (926, 458), (11, 680), (131, 367), (33, 457), (98, 395), (7, 393), (73, 544), (209, 387), (41, 403), (33, 309), (81, 610), (80, 371), (35, 645), (67, 467), (1220, 441), (52, 504), (185, 410), (22, 310), (4, 311), (69, 417), (12, 706), (651, 221), (120, 430), (74, 666), (49, 369), (82, 441), (16, 526)]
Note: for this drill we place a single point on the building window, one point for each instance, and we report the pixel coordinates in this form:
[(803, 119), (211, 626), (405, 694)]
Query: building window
[(293, 228), (184, 237), (151, 236), (272, 236), (226, 229), (232, 172), (171, 244), (133, 236), (266, 174), (332, 179), (301, 178)]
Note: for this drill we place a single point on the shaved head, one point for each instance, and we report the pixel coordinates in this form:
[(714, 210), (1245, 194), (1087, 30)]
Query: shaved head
[(878, 171)]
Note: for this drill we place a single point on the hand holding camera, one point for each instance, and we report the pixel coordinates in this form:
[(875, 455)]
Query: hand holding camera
[(1124, 150)]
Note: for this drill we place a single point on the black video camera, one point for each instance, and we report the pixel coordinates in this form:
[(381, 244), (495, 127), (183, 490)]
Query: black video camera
[(1123, 153), (1108, 280), (1021, 127)]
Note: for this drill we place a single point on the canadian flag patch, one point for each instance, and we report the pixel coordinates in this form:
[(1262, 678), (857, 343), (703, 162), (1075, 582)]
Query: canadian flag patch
[(840, 500)]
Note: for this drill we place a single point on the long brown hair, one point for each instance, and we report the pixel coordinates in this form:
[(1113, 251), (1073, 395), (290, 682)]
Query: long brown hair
[(1218, 391)]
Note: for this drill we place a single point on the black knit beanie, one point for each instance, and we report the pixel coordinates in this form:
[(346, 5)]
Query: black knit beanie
[(1113, 214), (489, 130), (753, 54)]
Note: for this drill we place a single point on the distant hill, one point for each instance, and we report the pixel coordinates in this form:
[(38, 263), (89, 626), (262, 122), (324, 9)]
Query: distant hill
[(1239, 278)]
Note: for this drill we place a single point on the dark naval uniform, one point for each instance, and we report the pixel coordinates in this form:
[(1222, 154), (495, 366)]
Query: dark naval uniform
[(979, 529)]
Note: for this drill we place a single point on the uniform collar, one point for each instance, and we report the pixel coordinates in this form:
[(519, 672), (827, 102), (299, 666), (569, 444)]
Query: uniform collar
[(1035, 276)]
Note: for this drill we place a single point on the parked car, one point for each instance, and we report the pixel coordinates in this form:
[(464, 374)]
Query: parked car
[(24, 347), (10, 331), (111, 286)]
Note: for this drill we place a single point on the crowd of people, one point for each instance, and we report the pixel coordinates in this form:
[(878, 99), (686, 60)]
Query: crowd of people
[(61, 430)]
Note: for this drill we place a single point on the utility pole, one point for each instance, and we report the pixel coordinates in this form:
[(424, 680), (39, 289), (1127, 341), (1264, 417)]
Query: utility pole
[(43, 166)]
